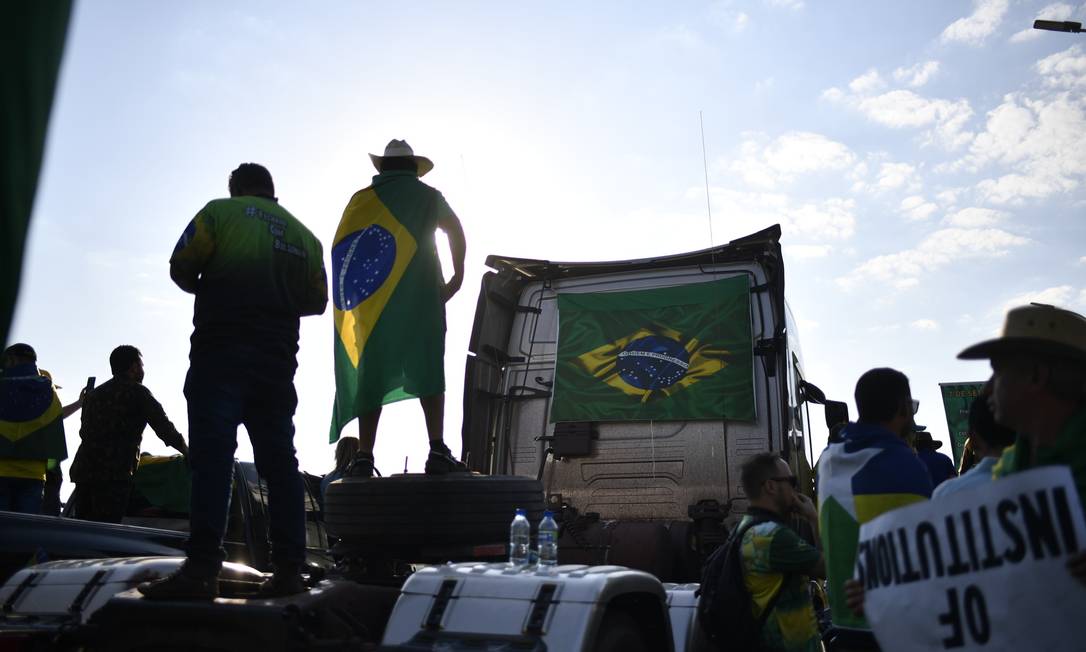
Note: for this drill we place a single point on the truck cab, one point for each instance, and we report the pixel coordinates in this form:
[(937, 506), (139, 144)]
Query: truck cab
[(655, 493)]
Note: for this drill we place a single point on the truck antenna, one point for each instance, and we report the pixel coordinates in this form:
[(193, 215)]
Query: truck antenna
[(705, 168)]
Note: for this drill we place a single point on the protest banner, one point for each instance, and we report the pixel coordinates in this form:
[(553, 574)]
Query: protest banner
[(982, 569), (957, 397)]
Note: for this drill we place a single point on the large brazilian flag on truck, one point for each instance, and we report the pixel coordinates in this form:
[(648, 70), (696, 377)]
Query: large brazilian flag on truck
[(675, 353)]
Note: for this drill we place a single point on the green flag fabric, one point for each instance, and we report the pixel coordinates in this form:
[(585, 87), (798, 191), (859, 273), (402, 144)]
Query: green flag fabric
[(386, 290), (675, 353), (165, 481), (957, 397)]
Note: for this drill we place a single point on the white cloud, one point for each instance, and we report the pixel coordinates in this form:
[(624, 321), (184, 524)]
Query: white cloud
[(742, 20), (916, 209), (1065, 69), (1041, 142), (975, 218), (950, 196), (763, 85), (785, 4), (746, 212), (806, 252), (789, 155), (925, 325), (1063, 296), (1082, 261), (894, 175), (917, 75), (866, 83), (941, 248), (975, 28), (899, 109), (1057, 11)]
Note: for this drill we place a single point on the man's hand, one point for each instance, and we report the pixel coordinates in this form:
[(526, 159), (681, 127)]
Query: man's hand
[(854, 597), (805, 507), (1077, 566), (451, 288), (183, 448)]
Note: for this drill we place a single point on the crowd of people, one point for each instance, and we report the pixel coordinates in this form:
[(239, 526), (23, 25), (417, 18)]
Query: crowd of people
[(1031, 413)]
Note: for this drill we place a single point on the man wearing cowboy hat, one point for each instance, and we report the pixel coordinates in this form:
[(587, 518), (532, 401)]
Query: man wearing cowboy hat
[(940, 467), (1038, 389), (389, 296)]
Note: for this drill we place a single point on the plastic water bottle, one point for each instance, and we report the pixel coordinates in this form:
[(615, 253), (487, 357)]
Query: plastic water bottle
[(548, 542), (520, 533)]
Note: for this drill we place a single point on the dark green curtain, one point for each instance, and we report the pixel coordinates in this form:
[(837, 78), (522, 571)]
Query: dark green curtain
[(32, 36)]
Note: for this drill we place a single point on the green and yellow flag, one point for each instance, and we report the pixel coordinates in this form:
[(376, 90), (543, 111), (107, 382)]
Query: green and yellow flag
[(674, 354), (31, 427), (386, 292), (165, 481)]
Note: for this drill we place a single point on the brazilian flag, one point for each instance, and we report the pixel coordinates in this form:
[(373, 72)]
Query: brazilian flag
[(675, 354), (165, 481), (386, 295), (31, 427)]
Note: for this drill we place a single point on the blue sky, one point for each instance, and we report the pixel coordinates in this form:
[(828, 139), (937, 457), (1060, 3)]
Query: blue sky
[(925, 159)]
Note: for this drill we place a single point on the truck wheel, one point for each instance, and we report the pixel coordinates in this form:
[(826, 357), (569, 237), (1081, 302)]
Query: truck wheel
[(420, 510), (619, 632)]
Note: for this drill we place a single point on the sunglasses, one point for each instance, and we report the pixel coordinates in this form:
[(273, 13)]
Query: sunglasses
[(916, 406), (790, 479)]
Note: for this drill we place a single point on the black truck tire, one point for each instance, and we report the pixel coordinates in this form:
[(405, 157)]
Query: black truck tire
[(415, 510)]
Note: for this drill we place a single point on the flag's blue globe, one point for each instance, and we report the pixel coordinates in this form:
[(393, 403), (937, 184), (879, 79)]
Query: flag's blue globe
[(361, 263), (653, 362)]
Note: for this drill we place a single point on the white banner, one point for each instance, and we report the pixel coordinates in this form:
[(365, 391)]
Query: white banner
[(979, 570)]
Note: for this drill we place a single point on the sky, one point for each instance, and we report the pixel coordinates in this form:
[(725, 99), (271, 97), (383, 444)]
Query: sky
[(925, 160)]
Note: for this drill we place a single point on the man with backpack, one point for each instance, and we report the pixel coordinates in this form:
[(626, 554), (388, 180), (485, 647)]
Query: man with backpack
[(755, 591)]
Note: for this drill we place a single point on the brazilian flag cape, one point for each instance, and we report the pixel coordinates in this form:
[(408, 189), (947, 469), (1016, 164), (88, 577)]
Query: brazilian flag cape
[(675, 353), (870, 473), (31, 427), (386, 294)]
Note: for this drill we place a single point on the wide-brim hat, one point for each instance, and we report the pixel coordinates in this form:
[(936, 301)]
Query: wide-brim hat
[(925, 440), (1037, 328), (400, 149)]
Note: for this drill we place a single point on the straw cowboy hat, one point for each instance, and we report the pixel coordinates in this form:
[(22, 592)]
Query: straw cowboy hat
[(400, 149), (1036, 328)]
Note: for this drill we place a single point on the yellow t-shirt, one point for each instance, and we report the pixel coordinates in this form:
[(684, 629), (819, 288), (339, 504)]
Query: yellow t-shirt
[(28, 469)]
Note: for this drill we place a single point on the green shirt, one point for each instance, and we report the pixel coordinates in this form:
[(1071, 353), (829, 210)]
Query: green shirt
[(1069, 449), (259, 268), (776, 559)]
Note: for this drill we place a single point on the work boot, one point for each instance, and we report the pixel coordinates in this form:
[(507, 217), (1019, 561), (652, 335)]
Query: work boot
[(441, 461), (361, 466), (283, 583), (181, 585)]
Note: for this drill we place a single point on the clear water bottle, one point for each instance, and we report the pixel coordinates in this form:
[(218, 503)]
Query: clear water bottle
[(520, 533), (548, 542)]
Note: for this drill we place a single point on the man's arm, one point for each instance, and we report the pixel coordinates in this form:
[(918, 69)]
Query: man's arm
[(184, 277), (788, 553), (160, 423), (458, 246)]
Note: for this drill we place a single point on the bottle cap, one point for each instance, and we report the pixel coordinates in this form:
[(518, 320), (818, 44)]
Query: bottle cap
[(548, 514), (521, 511)]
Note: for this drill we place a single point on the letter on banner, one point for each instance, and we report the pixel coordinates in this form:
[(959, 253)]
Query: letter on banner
[(1006, 585)]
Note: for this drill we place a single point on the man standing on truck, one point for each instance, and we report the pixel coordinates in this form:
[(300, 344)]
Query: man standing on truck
[(389, 297), (873, 470), (114, 417), (255, 270)]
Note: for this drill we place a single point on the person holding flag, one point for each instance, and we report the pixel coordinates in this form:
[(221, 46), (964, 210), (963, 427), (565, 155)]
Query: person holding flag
[(389, 303)]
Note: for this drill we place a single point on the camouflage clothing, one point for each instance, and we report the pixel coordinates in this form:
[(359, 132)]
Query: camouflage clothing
[(114, 416)]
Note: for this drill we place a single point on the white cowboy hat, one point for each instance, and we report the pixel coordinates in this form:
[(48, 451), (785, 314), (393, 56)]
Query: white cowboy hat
[(400, 149), (1036, 328)]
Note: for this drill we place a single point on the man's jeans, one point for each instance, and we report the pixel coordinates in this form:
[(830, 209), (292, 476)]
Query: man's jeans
[(21, 495), (224, 391)]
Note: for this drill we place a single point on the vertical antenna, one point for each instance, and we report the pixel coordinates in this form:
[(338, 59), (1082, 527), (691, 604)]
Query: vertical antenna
[(705, 167)]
